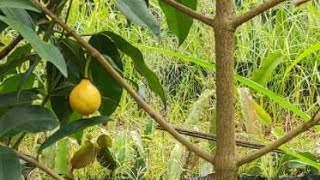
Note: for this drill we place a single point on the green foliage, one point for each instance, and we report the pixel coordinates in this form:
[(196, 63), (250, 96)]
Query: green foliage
[(22, 4), (137, 11), (45, 50), (179, 23), (269, 64), (17, 99), (62, 156), (15, 82), (282, 48), (110, 90), (283, 102), (9, 164), (139, 65), (35, 119)]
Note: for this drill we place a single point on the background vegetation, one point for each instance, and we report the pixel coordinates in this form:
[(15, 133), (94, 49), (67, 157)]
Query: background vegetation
[(278, 50)]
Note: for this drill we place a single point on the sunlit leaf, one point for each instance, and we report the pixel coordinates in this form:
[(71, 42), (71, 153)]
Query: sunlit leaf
[(269, 64), (45, 50)]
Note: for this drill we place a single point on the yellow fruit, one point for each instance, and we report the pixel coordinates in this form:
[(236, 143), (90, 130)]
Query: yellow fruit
[(85, 98)]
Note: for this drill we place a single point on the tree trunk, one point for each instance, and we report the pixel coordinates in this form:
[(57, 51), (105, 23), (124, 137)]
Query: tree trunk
[(225, 159)]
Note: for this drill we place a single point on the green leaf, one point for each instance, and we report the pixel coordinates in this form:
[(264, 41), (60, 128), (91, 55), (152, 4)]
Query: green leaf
[(19, 15), (137, 11), (71, 128), (14, 82), (307, 52), (139, 64), (263, 115), (27, 118), (187, 58), (269, 64), (179, 23), (16, 58), (60, 106), (45, 50), (22, 4), (19, 52), (62, 156), (75, 57), (281, 101), (174, 171), (109, 88), (301, 157), (12, 99), (9, 164), (85, 155), (27, 76)]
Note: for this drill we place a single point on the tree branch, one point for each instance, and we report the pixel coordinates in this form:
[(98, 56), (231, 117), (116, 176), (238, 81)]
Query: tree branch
[(286, 138), (10, 46), (237, 21), (36, 163), (299, 2), (190, 12), (213, 137), (101, 59)]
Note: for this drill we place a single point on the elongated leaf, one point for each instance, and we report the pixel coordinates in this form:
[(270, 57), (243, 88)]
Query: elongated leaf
[(314, 48), (264, 116), (20, 15), (27, 118), (174, 170), (302, 158), (22, 4), (71, 128), (45, 50), (109, 88), (139, 64), (198, 61), (9, 164), (62, 156), (178, 22), (281, 101), (269, 64), (137, 11), (12, 98)]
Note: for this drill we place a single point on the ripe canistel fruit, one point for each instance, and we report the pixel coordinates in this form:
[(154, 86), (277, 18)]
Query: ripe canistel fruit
[(85, 98)]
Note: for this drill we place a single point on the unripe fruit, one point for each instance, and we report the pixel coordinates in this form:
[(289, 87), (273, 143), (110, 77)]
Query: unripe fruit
[(85, 98)]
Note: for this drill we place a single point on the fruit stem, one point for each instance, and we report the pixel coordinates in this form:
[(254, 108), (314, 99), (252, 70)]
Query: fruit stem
[(86, 68)]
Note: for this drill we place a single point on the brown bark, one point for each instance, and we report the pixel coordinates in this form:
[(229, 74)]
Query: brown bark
[(225, 159)]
